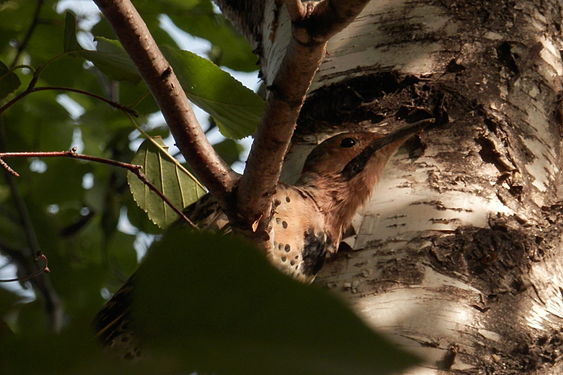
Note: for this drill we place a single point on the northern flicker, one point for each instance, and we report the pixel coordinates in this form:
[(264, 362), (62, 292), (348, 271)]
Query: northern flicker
[(307, 222)]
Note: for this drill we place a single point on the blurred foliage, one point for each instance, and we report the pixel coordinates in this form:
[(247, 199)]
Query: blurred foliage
[(75, 208), (247, 317)]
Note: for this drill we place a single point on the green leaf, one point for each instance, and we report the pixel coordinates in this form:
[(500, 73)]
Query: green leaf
[(235, 108), (7, 300), (138, 218), (229, 48), (38, 122), (70, 42), (170, 178), (122, 252), (111, 58), (9, 81), (217, 305), (229, 150)]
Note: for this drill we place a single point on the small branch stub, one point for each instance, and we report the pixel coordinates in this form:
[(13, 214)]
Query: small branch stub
[(44, 269)]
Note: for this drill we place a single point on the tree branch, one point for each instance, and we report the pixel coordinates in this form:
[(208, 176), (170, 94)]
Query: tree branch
[(30, 90), (167, 91), (133, 168), (41, 282), (331, 16), (29, 33), (286, 96)]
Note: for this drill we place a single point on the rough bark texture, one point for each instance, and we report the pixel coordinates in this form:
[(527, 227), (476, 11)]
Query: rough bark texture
[(459, 255)]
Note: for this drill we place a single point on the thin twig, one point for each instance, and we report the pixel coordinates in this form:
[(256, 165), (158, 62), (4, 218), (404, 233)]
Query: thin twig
[(133, 168), (14, 100), (8, 169), (70, 89), (41, 283), (172, 100), (141, 176), (285, 99), (29, 33), (44, 269), (116, 105)]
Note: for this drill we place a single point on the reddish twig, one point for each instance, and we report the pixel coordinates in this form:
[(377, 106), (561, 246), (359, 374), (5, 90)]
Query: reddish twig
[(172, 100), (44, 269), (133, 168), (286, 96)]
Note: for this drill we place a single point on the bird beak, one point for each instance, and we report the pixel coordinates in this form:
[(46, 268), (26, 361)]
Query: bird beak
[(395, 139)]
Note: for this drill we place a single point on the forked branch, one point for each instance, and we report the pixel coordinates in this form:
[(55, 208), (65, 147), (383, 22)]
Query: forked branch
[(285, 99), (312, 26)]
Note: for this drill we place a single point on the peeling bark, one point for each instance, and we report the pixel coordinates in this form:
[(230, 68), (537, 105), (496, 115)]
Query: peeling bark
[(459, 254)]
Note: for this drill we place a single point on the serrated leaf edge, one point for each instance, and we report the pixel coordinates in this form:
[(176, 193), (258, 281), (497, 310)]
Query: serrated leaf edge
[(173, 159)]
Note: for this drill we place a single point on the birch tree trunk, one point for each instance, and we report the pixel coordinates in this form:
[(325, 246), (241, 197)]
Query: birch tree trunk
[(459, 254)]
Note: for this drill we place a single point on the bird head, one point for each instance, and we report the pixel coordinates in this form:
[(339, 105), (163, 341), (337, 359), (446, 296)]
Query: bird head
[(342, 171)]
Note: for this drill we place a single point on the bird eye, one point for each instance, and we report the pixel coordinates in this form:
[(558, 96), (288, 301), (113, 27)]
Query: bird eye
[(348, 142)]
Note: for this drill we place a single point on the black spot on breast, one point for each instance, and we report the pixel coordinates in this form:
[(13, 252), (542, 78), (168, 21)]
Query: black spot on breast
[(284, 224), (287, 248), (287, 199), (314, 252)]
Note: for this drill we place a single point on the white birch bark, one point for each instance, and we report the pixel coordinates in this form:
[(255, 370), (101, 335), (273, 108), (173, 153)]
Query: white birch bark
[(459, 255)]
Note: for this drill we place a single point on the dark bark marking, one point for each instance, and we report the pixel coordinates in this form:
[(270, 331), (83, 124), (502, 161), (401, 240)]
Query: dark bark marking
[(356, 100), (491, 155), (507, 57)]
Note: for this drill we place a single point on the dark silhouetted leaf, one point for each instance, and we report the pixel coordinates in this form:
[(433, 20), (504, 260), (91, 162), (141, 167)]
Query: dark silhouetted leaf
[(111, 58), (217, 305), (70, 42)]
